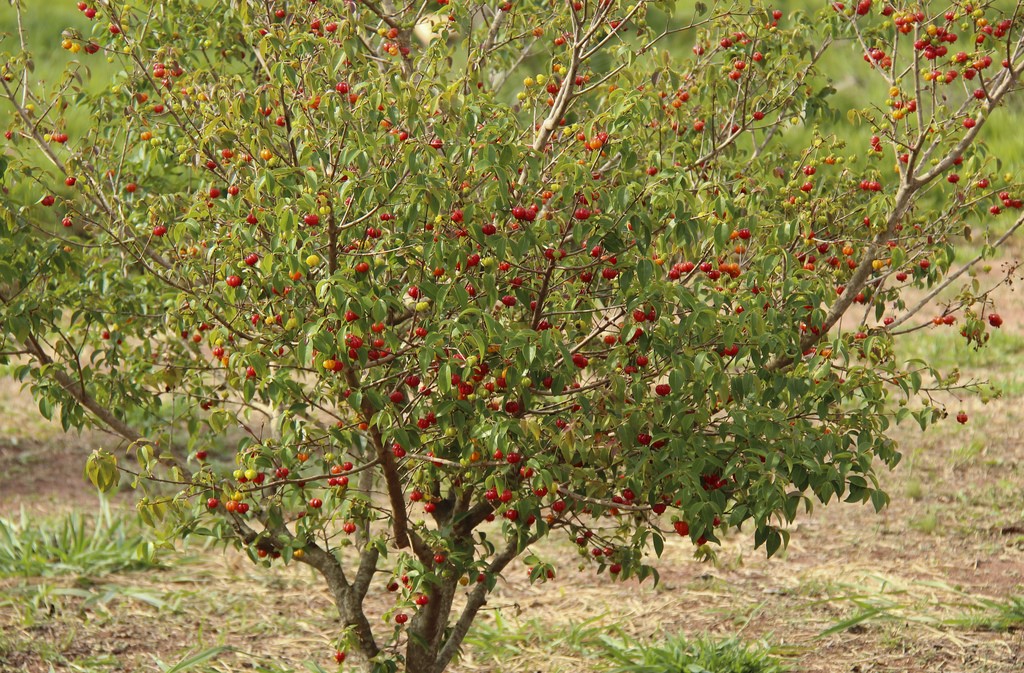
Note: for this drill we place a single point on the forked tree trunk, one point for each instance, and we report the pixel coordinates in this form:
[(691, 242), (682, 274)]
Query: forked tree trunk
[(427, 629)]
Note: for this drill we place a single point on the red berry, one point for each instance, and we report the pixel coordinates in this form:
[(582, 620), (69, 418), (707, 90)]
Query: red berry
[(233, 281), (995, 320)]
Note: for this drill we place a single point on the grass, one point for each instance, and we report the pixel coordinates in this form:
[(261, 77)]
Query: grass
[(192, 662), (75, 543), (927, 604), (993, 615), (52, 653), (702, 655), (944, 348), (610, 649)]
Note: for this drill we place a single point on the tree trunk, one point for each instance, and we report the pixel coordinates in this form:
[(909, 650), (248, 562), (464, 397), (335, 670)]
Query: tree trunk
[(427, 629)]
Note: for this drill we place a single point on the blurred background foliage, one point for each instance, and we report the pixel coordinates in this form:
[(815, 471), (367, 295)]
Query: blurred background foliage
[(44, 22)]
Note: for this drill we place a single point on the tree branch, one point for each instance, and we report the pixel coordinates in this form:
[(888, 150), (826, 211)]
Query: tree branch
[(477, 599), (949, 280)]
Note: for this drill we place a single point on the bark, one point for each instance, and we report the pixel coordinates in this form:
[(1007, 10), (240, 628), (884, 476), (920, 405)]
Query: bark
[(476, 600), (427, 628), (348, 597)]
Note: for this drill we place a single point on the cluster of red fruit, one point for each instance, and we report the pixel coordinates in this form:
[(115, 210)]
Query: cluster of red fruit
[(1008, 202), (528, 214), (87, 10)]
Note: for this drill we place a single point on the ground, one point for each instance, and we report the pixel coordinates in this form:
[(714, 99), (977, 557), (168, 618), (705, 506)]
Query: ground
[(933, 583)]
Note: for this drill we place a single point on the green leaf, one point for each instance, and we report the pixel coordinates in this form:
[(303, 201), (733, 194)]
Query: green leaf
[(101, 470), (644, 272), (192, 661)]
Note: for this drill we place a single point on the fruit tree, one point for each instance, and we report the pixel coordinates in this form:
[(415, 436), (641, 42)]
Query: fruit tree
[(396, 290)]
